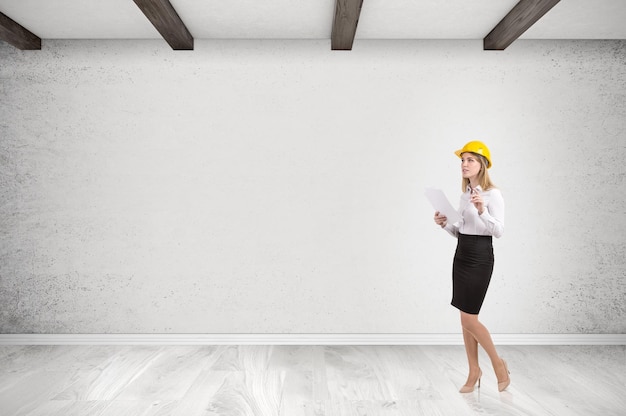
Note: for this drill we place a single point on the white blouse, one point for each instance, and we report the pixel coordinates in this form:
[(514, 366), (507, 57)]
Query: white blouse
[(491, 222)]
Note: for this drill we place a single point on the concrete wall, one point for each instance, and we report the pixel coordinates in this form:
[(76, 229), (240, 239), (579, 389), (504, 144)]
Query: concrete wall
[(277, 186)]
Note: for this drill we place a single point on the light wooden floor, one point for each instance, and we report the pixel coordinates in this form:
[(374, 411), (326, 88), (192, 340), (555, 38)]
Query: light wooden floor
[(305, 380)]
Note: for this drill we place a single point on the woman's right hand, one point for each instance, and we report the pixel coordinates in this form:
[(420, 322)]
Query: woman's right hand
[(440, 220)]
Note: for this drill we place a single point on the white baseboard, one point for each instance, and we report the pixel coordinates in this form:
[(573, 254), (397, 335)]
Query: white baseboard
[(304, 339)]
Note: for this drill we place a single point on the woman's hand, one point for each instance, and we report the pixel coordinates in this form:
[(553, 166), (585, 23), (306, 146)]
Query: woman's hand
[(477, 200), (440, 220)]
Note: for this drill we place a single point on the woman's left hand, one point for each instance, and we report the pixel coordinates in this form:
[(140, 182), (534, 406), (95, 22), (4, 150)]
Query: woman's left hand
[(477, 200)]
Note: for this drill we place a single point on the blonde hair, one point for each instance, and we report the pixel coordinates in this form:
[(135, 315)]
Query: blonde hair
[(483, 176)]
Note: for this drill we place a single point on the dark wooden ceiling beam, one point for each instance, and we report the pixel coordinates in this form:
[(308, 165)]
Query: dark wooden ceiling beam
[(17, 35), (517, 21), (162, 15), (344, 24)]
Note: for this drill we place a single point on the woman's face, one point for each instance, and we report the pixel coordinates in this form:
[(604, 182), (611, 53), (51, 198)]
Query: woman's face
[(470, 165)]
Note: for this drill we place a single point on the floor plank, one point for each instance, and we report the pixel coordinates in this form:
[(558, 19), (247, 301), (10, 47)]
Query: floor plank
[(305, 381), (111, 377)]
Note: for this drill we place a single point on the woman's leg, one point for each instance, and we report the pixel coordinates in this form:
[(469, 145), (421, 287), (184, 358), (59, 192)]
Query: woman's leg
[(479, 332), (471, 348)]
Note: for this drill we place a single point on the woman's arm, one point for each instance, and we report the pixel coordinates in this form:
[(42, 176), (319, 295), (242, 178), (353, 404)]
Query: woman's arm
[(493, 214)]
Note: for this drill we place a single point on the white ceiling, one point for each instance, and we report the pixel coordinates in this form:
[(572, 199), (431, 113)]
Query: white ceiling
[(312, 19)]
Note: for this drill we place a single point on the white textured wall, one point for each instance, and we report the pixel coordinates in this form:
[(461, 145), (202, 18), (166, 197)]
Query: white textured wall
[(277, 187)]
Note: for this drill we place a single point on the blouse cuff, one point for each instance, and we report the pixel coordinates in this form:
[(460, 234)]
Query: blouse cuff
[(451, 229)]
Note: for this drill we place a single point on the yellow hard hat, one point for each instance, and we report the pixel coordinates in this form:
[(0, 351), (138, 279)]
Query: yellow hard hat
[(476, 147)]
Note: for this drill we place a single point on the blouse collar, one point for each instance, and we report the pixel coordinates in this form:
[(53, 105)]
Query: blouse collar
[(469, 188)]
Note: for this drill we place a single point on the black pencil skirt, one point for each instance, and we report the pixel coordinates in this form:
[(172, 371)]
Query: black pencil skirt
[(471, 272)]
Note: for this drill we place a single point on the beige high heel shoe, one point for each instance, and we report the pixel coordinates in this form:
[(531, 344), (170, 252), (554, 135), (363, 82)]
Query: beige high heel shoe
[(469, 389), (502, 385)]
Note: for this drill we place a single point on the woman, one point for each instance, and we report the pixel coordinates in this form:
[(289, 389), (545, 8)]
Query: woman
[(482, 212)]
